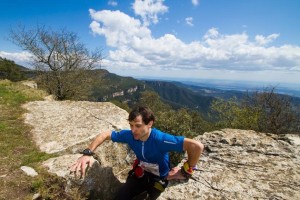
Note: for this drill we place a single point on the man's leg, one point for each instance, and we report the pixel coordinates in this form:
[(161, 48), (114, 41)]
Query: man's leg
[(156, 188), (131, 188)]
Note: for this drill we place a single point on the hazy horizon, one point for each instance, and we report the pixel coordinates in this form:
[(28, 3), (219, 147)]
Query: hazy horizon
[(291, 89)]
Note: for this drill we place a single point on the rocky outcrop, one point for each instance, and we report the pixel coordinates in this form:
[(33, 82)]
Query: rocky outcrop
[(124, 92), (118, 94), (68, 127), (240, 164), (236, 164), (58, 126)]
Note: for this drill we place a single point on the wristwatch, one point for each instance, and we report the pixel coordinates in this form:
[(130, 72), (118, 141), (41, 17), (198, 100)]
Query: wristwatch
[(87, 152)]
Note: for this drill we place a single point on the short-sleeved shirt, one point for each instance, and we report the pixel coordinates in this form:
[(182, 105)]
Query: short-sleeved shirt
[(154, 152)]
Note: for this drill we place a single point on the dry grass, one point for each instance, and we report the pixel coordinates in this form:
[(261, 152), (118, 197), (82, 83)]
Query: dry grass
[(18, 149)]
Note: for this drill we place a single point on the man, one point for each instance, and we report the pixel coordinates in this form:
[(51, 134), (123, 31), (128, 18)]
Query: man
[(151, 170)]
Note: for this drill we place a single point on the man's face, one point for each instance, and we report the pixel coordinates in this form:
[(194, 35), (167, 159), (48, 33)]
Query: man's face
[(140, 130)]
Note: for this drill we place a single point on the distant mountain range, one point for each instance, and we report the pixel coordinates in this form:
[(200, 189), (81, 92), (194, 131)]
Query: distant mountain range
[(178, 94), (190, 94), (194, 95), (291, 89)]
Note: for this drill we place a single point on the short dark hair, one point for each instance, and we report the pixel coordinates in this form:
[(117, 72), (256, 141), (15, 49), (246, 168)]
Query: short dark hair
[(145, 112)]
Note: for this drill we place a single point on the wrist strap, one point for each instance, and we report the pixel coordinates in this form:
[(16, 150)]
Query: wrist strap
[(87, 152), (187, 169)]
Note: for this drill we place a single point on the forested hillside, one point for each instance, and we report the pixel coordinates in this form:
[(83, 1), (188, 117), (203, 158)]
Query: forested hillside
[(181, 96), (108, 86)]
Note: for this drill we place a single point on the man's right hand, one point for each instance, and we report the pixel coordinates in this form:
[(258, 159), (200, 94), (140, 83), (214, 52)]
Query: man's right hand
[(81, 166)]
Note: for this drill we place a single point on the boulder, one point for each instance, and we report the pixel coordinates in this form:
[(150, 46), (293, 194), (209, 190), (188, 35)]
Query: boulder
[(58, 125), (250, 165)]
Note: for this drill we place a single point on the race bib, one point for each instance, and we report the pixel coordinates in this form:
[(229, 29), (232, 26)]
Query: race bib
[(150, 167)]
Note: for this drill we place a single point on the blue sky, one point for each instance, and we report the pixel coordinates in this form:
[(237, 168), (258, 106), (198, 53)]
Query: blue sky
[(252, 40)]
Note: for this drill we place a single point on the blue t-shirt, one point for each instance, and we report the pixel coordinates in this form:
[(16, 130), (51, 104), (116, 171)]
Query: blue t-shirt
[(154, 151)]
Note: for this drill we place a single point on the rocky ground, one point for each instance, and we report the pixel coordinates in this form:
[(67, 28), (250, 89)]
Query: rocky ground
[(236, 164), (241, 164)]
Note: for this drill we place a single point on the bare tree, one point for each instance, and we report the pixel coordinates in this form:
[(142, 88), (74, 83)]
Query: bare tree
[(64, 62)]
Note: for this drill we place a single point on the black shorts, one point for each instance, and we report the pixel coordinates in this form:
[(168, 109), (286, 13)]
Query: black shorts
[(147, 187)]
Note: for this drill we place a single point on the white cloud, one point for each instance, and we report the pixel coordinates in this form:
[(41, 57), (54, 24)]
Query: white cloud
[(112, 3), (195, 2), (23, 58), (118, 28), (262, 40), (149, 10), (135, 47), (189, 21), (211, 33)]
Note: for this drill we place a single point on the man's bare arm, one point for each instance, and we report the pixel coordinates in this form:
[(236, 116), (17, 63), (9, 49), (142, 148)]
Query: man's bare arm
[(99, 140), (194, 150)]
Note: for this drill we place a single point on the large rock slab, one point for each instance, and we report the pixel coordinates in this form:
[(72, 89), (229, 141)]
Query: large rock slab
[(241, 164), (58, 125)]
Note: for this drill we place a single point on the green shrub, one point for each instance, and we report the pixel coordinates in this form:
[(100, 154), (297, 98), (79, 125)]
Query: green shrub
[(263, 111)]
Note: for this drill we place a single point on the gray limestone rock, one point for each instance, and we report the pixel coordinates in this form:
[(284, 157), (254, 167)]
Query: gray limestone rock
[(236, 164)]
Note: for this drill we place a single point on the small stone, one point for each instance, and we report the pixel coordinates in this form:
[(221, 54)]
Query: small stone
[(36, 196), (29, 171)]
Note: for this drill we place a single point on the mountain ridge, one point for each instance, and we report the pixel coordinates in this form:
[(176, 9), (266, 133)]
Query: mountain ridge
[(188, 94)]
